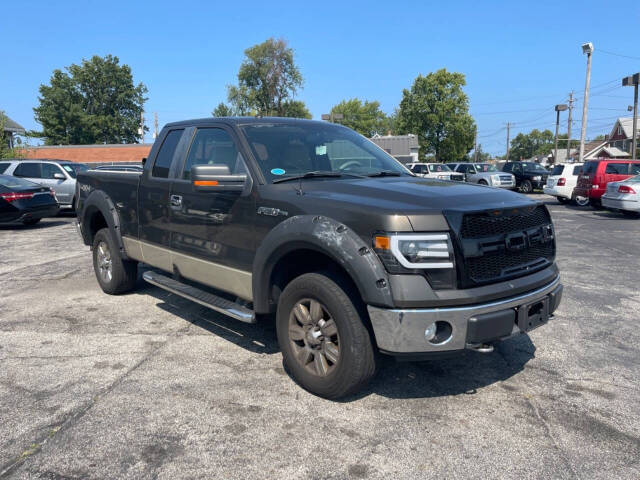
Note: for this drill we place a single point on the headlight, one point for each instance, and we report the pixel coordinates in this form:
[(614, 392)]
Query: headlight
[(537, 178), (423, 251), (495, 178)]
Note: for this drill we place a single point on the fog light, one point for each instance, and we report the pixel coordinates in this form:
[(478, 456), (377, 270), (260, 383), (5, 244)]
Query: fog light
[(430, 332)]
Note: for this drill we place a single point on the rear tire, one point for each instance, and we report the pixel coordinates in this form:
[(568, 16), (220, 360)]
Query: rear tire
[(562, 200), (596, 204), (114, 274), (580, 201), (325, 344)]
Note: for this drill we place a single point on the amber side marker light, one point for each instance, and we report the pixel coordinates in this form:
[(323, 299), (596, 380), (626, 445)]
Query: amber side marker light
[(205, 183), (381, 243)]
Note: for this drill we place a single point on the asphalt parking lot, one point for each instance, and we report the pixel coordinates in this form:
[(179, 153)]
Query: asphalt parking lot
[(149, 385)]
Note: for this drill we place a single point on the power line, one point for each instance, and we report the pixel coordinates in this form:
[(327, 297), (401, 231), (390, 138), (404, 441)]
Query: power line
[(617, 54)]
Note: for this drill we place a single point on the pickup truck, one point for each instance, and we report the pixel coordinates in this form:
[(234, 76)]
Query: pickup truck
[(310, 221)]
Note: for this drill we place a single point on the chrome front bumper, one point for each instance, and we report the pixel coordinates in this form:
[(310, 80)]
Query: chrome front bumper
[(402, 331)]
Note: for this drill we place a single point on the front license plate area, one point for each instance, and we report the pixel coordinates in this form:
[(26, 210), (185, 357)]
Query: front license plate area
[(534, 314)]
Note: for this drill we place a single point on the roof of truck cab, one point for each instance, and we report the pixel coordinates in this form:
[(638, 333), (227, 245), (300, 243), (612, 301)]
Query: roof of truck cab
[(247, 121)]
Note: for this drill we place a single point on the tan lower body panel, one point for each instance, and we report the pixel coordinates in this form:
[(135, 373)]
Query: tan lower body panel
[(212, 274)]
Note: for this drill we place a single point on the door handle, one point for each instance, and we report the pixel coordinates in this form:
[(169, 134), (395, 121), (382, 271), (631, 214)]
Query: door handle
[(176, 200)]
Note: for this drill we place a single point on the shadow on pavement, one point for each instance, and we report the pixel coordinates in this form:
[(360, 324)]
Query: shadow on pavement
[(38, 226), (459, 374)]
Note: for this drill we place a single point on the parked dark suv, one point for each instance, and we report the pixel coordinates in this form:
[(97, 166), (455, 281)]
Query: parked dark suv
[(529, 175)]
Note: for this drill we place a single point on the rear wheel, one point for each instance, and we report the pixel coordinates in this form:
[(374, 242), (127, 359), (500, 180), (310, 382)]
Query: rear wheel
[(114, 274), (325, 344), (580, 201)]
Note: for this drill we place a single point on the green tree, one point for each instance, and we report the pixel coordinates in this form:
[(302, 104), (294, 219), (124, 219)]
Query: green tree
[(268, 80), (364, 117), (222, 110), (527, 145), (94, 102), (295, 109), (437, 110)]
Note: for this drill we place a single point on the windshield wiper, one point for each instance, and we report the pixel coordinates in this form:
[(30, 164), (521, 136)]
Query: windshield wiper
[(314, 174), (385, 173)]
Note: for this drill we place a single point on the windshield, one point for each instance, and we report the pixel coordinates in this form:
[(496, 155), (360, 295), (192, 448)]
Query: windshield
[(9, 181), (535, 167), (74, 168), (285, 150), (438, 167), (485, 167)]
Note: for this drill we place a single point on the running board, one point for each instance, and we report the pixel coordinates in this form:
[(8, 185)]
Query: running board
[(206, 299)]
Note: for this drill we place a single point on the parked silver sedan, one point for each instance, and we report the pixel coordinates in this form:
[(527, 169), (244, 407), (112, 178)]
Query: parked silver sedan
[(623, 196)]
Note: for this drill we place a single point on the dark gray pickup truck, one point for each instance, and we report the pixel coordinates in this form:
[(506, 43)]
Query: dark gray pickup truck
[(309, 220)]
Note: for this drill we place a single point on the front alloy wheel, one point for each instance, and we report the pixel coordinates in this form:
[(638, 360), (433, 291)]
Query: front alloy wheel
[(314, 337), (105, 264)]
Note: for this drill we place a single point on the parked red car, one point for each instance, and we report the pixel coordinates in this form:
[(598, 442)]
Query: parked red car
[(595, 174)]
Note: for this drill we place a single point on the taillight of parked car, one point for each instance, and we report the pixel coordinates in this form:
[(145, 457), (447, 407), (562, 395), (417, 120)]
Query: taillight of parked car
[(625, 189), (12, 196), (562, 182)]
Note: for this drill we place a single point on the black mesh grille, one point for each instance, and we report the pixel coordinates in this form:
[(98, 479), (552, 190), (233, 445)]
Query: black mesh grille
[(507, 264), (479, 225)]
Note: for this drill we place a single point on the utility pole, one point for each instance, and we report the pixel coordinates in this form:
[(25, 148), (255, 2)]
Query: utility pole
[(559, 108), (588, 49), (633, 80), (475, 149), (569, 125), (141, 129), (508, 127), (155, 125)]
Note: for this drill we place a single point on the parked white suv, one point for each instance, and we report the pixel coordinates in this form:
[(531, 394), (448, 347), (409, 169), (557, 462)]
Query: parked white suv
[(435, 170), (59, 175), (561, 182)]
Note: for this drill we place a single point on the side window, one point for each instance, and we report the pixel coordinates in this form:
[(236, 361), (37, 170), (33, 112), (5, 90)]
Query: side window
[(461, 168), (507, 167), (3, 167), (617, 168), (28, 170), (576, 170), (213, 146), (49, 169), (165, 155), (471, 169), (517, 168), (635, 168)]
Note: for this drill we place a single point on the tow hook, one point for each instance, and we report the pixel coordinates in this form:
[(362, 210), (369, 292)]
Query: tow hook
[(480, 347)]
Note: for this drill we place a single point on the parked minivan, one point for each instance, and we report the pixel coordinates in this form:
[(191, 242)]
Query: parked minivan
[(561, 182), (59, 175), (592, 182)]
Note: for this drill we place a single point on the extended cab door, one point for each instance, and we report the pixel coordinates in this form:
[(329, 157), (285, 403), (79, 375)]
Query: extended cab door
[(212, 232), (153, 202)]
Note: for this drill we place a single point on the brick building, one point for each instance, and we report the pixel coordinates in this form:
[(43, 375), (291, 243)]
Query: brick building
[(104, 154)]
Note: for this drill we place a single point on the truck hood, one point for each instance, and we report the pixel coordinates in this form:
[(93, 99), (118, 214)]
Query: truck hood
[(371, 201)]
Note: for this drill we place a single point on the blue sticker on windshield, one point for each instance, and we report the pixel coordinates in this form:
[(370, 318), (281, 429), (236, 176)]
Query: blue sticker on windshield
[(277, 171)]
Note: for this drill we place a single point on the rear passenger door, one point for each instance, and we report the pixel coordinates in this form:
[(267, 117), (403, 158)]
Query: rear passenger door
[(212, 231), (153, 201)]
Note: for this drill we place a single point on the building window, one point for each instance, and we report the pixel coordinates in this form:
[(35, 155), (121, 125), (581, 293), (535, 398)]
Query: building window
[(619, 129)]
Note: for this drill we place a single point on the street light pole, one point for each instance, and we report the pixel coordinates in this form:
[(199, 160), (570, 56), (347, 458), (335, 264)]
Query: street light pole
[(559, 108), (588, 49), (633, 80), (569, 126)]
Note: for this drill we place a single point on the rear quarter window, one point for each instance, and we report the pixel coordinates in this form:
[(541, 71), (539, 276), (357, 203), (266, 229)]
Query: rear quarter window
[(576, 170), (29, 170)]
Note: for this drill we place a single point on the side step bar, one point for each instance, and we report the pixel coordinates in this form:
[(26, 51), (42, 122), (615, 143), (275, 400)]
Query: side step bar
[(206, 299)]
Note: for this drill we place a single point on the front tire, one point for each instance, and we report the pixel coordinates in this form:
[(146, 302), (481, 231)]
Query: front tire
[(325, 344), (483, 182), (114, 274), (526, 186)]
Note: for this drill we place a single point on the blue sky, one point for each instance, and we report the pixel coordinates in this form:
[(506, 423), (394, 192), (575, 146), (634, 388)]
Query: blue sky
[(519, 58)]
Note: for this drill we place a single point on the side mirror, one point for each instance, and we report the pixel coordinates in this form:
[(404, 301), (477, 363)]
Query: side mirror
[(216, 178), (144, 160), (59, 176)]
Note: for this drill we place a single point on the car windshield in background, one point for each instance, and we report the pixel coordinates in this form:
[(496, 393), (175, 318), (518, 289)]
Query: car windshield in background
[(286, 150), (557, 170), (439, 168), (485, 167), (73, 168), (9, 181), (533, 167)]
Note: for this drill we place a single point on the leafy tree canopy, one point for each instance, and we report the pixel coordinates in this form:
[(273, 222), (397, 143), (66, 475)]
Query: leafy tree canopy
[(94, 102), (365, 117), (437, 110), (536, 142), (268, 80)]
